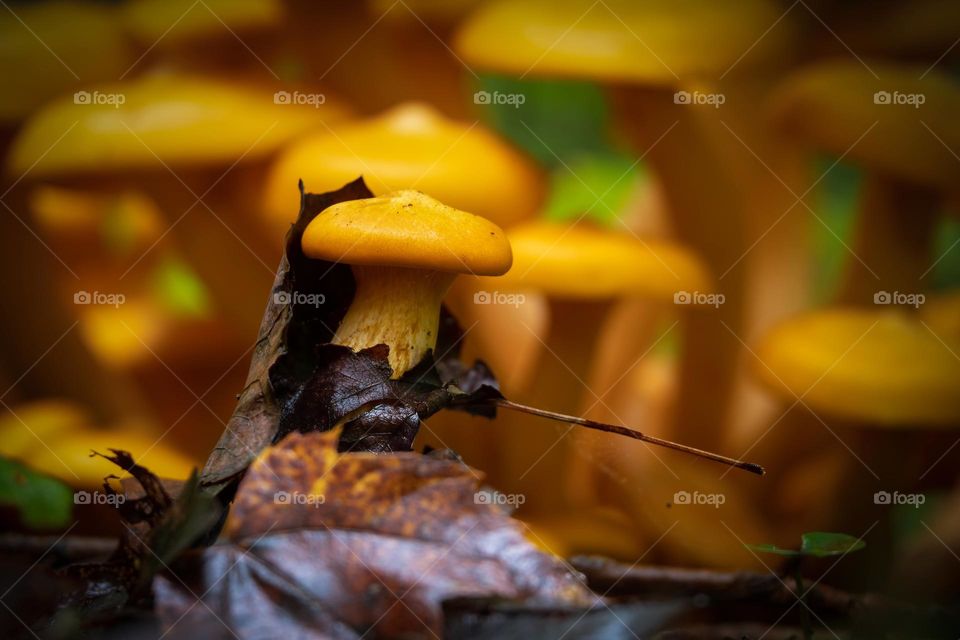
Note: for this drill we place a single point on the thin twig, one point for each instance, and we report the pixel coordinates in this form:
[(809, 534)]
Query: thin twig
[(630, 433)]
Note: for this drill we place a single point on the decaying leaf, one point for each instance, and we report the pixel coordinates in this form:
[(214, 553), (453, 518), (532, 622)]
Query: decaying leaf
[(298, 381), (327, 544), (159, 526)]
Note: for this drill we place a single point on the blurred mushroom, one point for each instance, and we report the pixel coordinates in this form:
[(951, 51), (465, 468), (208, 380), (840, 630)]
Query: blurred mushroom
[(405, 249), (897, 122), (885, 383), (50, 48), (179, 139), (583, 271), (411, 146), (224, 36), (57, 437), (604, 531), (646, 51)]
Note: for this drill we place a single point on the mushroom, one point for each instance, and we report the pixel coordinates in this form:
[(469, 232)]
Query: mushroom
[(217, 35), (405, 249), (56, 436), (176, 138), (885, 379), (900, 127), (645, 52), (411, 146), (49, 48), (583, 271), (880, 368)]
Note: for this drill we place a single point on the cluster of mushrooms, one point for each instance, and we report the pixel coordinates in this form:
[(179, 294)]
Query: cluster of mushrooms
[(178, 197)]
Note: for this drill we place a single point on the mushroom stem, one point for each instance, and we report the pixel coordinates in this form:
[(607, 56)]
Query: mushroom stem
[(894, 237), (397, 307)]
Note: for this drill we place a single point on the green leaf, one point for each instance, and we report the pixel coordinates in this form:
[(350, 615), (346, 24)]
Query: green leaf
[(816, 544), (180, 289), (821, 544), (42, 501), (597, 186), (836, 207), (946, 273), (774, 549), (557, 120)]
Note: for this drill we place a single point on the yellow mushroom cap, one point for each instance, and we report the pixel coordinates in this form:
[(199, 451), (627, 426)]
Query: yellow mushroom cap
[(584, 262), (657, 41), (407, 229), (411, 147), (883, 368), (912, 111), (176, 120), (170, 22), (46, 47)]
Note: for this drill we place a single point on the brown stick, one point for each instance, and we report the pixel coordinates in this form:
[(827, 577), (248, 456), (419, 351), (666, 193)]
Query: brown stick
[(630, 433)]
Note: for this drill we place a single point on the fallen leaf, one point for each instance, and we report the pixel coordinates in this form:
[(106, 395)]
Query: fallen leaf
[(327, 544)]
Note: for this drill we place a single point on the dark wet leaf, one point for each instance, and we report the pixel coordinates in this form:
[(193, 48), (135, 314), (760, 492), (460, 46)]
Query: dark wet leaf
[(161, 518), (324, 544)]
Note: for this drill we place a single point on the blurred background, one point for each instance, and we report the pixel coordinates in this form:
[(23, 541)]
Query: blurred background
[(735, 225)]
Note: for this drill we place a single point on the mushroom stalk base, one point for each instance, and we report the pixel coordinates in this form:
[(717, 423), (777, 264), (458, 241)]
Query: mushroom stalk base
[(397, 307)]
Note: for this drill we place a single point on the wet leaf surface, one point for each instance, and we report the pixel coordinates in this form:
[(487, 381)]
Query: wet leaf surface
[(325, 544)]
